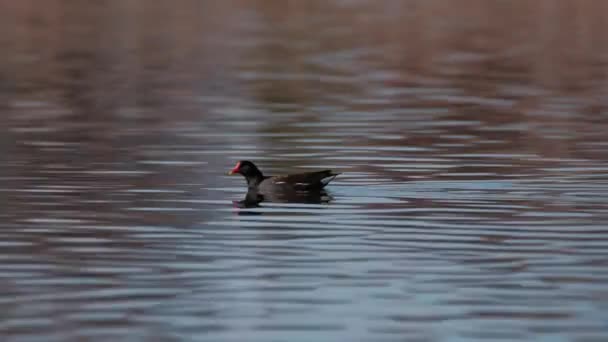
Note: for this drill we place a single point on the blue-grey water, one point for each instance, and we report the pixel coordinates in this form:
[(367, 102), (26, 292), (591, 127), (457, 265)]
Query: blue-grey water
[(472, 204)]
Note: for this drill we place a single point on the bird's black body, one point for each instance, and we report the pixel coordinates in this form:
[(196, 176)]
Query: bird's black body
[(307, 181)]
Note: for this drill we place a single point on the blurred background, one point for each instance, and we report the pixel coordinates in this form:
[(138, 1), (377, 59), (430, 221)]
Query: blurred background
[(471, 136)]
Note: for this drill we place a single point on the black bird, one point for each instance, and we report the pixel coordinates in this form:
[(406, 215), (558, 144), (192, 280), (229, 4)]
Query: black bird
[(300, 182)]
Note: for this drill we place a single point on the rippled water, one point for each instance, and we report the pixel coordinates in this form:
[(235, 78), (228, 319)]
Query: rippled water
[(472, 204)]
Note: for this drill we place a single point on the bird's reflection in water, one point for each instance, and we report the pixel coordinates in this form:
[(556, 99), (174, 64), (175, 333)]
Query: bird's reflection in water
[(253, 199)]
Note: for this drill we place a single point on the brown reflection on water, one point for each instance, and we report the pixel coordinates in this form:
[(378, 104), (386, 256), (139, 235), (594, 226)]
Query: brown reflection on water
[(471, 137)]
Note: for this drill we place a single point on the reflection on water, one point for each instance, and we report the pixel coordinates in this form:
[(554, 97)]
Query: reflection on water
[(472, 204), (253, 198)]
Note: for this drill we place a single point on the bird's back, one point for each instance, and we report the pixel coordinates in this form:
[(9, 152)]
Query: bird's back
[(302, 181)]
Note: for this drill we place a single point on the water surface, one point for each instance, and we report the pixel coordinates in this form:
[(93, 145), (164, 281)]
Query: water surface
[(472, 142)]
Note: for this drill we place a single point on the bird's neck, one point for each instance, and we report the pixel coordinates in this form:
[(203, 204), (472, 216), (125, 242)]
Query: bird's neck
[(254, 179)]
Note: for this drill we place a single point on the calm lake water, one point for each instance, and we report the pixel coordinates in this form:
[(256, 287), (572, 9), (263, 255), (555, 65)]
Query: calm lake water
[(472, 141)]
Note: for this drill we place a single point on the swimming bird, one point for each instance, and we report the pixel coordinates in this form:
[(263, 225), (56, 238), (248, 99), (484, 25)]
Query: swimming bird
[(301, 182)]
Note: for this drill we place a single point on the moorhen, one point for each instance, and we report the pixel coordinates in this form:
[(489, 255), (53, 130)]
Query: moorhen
[(307, 181)]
